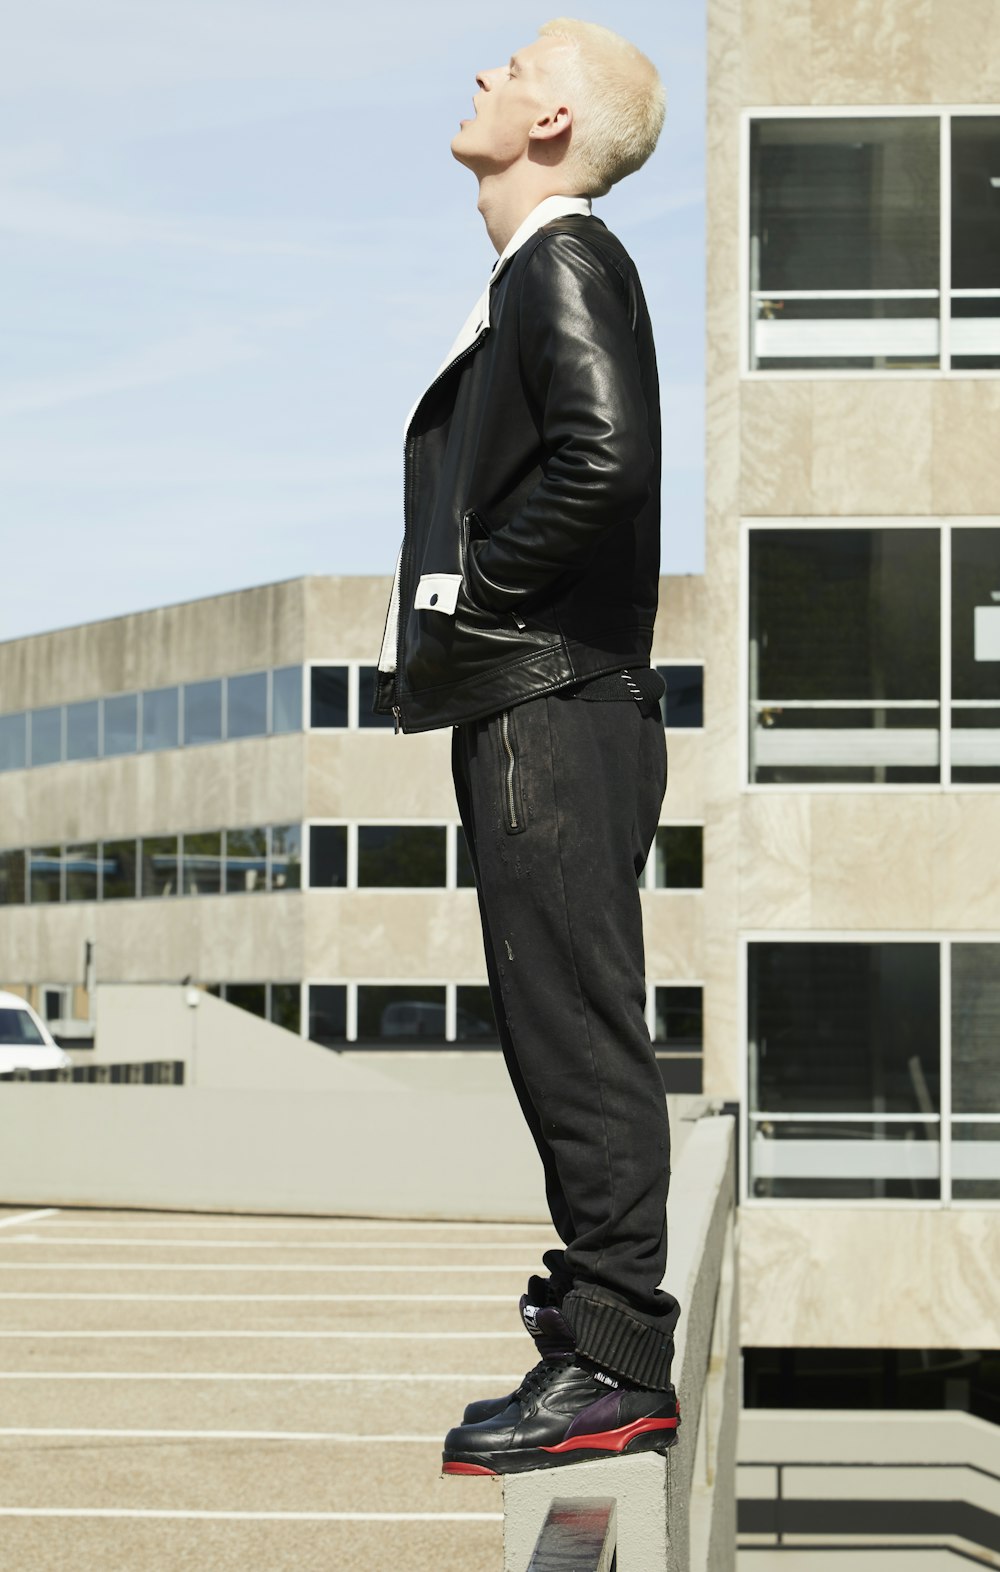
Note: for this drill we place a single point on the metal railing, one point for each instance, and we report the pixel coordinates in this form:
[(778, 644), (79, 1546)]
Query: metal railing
[(577, 1536)]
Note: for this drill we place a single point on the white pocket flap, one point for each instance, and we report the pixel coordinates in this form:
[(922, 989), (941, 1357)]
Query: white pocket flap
[(438, 592)]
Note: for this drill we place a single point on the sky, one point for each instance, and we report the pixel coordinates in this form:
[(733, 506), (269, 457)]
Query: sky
[(234, 248)]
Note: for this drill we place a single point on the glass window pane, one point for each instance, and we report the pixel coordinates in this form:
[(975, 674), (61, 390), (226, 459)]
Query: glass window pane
[(975, 654), (121, 721), (682, 703), (246, 861), (158, 864), (475, 1022), (119, 868), (82, 730), (12, 878), (839, 615), (328, 696), (678, 1017), (869, 1160), (397, 1015), (201, 863), (45, 874), (401, 856), (465, 877), (13, 742), (844, 205), (367, 676), (328, 1014), (160, 718), (975, 1028), (46, 735), (246, 705), (286, 857), (248, 996), (975, 240), (286, 699), (678, 857), (285, 1007), (327, 856), (17, 1026), (202, 712), (975, 1161), (81, 872), (844, 1028)]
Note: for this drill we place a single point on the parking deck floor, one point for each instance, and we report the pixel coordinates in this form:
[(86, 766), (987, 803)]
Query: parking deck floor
[(189, 1390)]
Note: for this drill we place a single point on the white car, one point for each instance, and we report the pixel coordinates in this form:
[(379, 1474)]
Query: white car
[(25, 1041)]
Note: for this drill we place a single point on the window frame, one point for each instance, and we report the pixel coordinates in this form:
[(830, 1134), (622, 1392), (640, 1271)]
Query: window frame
[(944, 113)]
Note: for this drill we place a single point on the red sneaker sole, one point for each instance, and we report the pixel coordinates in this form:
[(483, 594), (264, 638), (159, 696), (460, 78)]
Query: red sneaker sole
[(652, 1434)]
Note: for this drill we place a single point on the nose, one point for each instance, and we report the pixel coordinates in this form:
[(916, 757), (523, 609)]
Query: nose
[(484, 79)]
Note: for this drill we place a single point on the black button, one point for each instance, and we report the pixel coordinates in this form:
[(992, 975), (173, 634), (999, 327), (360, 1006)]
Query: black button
[(434, 599)]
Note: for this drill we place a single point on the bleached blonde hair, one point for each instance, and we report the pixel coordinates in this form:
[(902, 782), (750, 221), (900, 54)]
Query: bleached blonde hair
[(619, 106)]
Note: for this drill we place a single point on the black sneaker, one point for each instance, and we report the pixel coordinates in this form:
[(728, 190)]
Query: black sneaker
[(553, 1339), (567, 1411)]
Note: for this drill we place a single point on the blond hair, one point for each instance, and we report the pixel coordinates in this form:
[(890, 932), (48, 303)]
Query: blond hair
[(621, 107)]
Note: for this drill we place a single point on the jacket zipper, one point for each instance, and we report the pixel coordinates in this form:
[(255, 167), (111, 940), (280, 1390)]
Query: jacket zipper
[(509, 774)]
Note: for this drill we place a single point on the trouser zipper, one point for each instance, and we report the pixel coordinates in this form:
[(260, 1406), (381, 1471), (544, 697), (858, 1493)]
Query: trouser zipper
[(510, 766)]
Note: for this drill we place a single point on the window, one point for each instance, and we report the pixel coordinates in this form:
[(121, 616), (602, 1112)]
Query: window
[(328, 1014), (845, 661), (475, 1022), (247, 996), (286, 857), (121, 724), (284, 1006), (465, 877), (160, 719), (12, 878), (286, 699), (158, 861), (849, 257), (45, 874), (81, 872), (396, 1016), (683, 702), (975, 1071), (13, 742), (119, 870), (327, 856), (678, 1036), (367, 676), (82, 730), (246, 705), (328, 696), (46, 735), (395, 857), (202, 712), (246, 861), (678, 857), (201, 863)]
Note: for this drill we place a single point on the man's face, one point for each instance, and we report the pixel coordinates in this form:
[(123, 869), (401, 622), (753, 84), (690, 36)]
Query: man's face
[(512, 99)]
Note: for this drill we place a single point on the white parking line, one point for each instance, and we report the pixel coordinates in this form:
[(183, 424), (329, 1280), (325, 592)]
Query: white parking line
[(338, 1438), (389, 1377), (293, 1224), (258, 1517), (278, 1299), (352, 1336), (28, 1217), (254, 1268), (262, 1244)]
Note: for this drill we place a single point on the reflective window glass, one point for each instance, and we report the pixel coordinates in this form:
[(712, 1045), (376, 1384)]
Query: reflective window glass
[(678, 1017), (45, 874), (401, 856), (121, 724), (844, 243), (12, 878), (13, 742), (975, 654), (285, 1007), (286, 857), (396, 1015), (158, 865), (82, 864), (251, 997), (475, 1022), (246, 861), (327, 856), (975, 241), (678, 857), (246, 705), (286, 699), (160, 719), (975, 1029), (202, 712), (328, 1014), (367, 676), (465, 877), (82, 723), (201, 863), (841, 615), (17, 1026), (119, 870), (328, 696), (46, 735), (683, 702)]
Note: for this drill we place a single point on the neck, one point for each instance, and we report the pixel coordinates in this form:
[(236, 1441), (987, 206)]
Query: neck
[(506, 203)]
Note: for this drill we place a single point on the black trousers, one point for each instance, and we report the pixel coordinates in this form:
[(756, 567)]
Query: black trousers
[(559, 799)]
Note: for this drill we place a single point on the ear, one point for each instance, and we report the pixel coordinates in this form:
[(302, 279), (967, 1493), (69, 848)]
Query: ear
[(552, 125)]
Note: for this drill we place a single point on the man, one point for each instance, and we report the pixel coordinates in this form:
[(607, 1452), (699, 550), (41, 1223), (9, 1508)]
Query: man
[(522, 615)]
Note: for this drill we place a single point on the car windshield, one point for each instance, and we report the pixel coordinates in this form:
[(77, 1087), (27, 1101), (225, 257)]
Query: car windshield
[(16, 1026)]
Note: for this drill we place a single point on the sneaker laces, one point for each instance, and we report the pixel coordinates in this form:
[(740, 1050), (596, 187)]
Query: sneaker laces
[(540, 1375)]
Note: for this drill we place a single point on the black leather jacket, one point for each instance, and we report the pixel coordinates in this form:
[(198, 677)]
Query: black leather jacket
[(532, 491)]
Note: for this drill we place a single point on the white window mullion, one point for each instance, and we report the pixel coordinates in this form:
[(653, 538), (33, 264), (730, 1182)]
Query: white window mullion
[(451, 856), (353, 706), (352, 1012), (945, 720), (945, 1033), (352, 856), (945, 243), (450, 1012)]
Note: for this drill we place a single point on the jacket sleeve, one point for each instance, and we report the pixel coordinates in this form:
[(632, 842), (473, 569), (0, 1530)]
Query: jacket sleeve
[(580, 369)]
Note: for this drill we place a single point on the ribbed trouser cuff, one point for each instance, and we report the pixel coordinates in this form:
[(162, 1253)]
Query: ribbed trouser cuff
[(618, 1341)]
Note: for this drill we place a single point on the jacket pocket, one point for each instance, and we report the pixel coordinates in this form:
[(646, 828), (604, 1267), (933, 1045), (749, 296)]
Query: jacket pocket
[(469, 517), (511, 800)]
